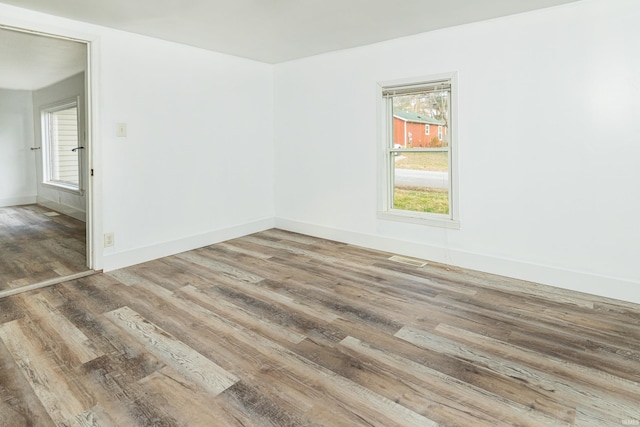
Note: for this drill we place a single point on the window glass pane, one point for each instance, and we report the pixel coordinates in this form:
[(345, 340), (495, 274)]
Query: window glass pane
[(64, 138), (421, 181), (421, 178), (420, 120)]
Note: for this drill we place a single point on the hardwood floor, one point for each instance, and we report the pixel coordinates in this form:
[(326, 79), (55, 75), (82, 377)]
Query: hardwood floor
[(35, 247), (281, 329)]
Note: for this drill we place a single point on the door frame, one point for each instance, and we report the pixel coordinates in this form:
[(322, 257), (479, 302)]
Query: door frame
[(93, 204)]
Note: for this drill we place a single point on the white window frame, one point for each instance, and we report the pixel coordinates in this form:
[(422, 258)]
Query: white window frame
[(440, 134), (427, 131), (47, 179), (387, 151)]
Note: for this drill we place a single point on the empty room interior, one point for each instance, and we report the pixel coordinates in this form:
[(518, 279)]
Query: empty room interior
[(319, 213)]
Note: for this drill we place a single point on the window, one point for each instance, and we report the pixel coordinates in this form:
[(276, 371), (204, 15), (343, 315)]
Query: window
[(61, 151), (417, 182)]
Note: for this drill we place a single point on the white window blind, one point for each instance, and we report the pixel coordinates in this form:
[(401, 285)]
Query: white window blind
[(416, 89), (64, 138), (61, 152)]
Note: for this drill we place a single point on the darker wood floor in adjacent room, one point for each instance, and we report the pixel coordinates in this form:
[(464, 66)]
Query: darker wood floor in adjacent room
[(35, 247), (281, 329)]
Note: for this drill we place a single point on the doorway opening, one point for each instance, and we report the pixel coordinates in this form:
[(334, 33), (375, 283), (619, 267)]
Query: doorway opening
[(45, 148)]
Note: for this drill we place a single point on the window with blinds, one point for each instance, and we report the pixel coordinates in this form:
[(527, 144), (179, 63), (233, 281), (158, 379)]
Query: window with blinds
[(60, 141)]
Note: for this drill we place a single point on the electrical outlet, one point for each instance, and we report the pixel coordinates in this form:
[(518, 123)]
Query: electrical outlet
[(109, 239)]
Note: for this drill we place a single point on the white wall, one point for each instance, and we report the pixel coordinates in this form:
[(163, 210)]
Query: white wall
[(17, 161), (549, 176), (197, 164), (70, 203)]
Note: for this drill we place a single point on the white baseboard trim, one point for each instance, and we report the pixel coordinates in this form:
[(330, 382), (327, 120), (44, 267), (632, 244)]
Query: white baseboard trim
[(63, 209), (618, 288), (17, 201), (139, 255)]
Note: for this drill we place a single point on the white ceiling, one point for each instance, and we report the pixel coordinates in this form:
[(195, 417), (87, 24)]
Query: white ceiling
[(279, 30), (30, 62), (270, 31)]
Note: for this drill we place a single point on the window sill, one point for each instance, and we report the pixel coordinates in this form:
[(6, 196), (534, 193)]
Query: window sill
[(421, 219), (62, 187)]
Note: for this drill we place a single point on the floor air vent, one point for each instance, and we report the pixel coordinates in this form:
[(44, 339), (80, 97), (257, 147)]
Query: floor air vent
[(408, 261)]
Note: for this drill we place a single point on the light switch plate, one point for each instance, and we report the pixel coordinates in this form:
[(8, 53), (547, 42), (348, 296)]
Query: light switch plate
[(121, 130)]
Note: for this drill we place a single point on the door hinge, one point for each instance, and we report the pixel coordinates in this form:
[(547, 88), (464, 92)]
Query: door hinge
[(91, 172)]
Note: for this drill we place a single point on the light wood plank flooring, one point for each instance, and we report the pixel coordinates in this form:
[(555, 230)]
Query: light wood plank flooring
[(35, 247), (281, 329)]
